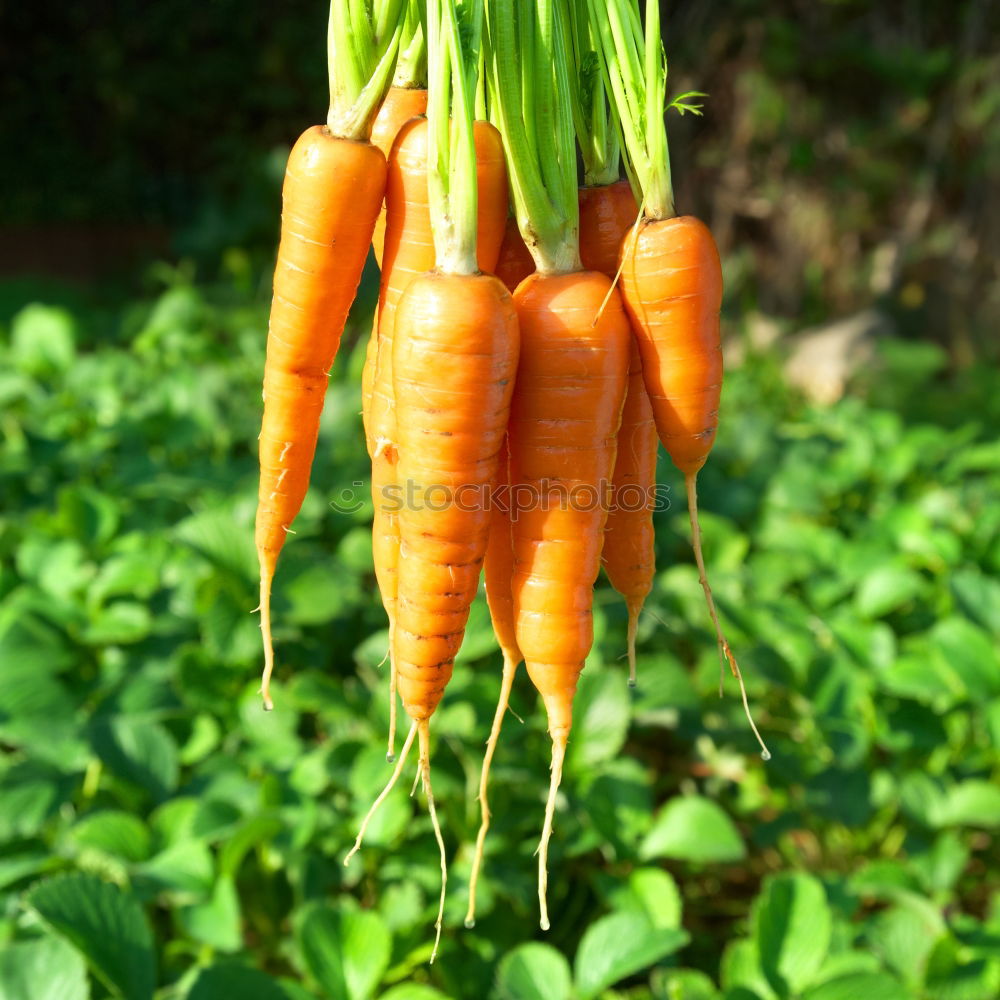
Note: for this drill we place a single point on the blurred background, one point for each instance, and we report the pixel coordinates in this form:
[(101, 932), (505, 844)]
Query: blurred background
[(848, 163)]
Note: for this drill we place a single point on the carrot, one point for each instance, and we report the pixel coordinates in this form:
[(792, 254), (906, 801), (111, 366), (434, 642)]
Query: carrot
[(629, 552), (570, 383), (564, 421), (400, 105), (406, 98), (671, 276), (454, 358), (607, 212), (334, 184), (515, 263), (409, 251)]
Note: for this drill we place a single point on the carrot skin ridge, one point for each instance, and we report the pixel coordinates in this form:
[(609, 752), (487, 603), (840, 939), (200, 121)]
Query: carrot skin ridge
[(324, 239)]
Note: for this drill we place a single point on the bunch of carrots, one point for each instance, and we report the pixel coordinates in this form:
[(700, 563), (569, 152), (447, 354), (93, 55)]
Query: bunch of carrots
[(535, 339)]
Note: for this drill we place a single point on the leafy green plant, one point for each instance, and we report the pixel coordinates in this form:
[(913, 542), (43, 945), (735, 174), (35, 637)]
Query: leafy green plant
[(144, 795)]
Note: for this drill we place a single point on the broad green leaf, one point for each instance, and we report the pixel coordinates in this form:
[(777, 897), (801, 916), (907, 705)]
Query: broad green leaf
[(139, 751), (185, 867), (346, 951), (618, 946), (683, 984), (46, 968), (106, 925), (792, 926), (412, 991), (953, 975), (118, 624), (26, 802), (600, 718), (979, 597), (692, 828), (651, 892), (43, 339), (534, 971), (14, 867), (238, 982), (866, 986), (970, 653), (885, 589), (740, 970), (216, 922), (972, 803), (903, 936), (119, 834)]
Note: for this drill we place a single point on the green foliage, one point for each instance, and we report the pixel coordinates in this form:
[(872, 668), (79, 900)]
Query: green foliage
[(159, 831)]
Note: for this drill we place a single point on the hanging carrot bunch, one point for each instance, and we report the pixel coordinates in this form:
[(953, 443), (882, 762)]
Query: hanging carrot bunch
[(522, 366), (334, 185)]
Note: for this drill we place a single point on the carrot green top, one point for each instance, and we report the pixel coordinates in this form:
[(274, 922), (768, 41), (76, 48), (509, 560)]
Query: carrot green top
[(411, 67), (594, 116), (362, 44), (530, 93), (635, 70), (453, 39)]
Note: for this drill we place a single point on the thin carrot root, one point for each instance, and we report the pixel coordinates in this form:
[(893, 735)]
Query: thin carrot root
[(558, 755), (390, 753), (634, 610), (398, 770), (725, 653), (265, 630), (425, 773), (507, 682)]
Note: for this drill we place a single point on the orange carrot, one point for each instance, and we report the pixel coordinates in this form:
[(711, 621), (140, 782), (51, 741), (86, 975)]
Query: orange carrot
[(324, 242), (409, 251), (400, 105), (563, 426), (629, 556), (334, 183), (671, 275), (454, 357), (515, 263), (607, 212)]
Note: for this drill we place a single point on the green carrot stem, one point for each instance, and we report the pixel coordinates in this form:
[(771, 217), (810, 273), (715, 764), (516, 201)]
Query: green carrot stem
[(635, 73), (533, 111), (362, 46), (453, 60), (411, 66)]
